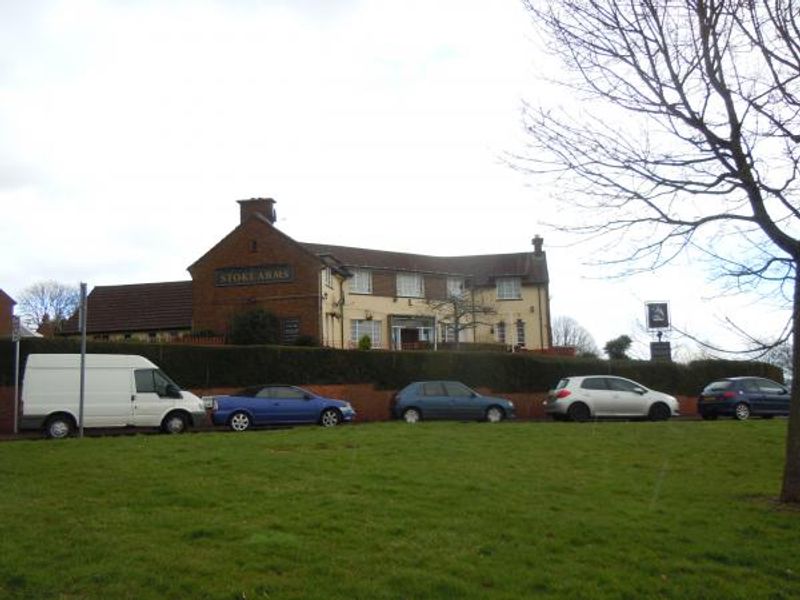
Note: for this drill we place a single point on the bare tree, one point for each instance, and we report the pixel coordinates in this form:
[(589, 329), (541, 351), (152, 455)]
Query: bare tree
[(568, 332), (707, 157), (48, 301), (463, 311)]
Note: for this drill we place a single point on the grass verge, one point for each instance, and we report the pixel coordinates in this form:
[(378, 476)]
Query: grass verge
[(387, 510)]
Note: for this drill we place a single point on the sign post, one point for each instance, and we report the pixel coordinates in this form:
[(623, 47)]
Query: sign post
[(658, 321)]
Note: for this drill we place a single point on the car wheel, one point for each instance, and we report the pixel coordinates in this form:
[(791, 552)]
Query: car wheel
[(579, 412), (240, 421), (659, 412), (741, 412), (59, 426), (494, 414), (412, 415), (174, 423), (330, 417)]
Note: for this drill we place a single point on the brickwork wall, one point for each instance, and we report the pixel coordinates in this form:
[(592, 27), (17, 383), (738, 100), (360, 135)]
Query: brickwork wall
[(6, 312), (256, 243), (6, 409)]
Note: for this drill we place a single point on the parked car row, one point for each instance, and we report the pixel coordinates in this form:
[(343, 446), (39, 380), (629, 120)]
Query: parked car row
[(122, 390)]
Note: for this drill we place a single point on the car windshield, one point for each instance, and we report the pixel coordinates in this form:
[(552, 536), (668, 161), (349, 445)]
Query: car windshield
[(562, 384), (718, 386)]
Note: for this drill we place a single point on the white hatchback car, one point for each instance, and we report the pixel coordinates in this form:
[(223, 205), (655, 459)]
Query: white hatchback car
[(597, 396)]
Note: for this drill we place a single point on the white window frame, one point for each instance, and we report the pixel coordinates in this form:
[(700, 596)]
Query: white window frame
[(500, 332), (369, 327), (327, 277), (410, 285), (509, 288), (455, 287), (520, 327), (361, 283)]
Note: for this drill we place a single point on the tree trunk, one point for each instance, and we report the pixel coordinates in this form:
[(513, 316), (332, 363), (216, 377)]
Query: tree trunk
[(790, 491)]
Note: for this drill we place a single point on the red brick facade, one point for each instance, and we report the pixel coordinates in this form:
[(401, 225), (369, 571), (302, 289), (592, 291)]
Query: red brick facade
[(6, 312), (256, 243)]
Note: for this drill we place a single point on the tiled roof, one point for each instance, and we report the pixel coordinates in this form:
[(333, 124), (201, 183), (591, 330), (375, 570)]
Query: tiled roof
[(137, 307), (483, 268), (6, 298)]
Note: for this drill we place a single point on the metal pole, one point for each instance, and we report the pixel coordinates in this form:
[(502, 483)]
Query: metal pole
[(83, 314), (16, 336)]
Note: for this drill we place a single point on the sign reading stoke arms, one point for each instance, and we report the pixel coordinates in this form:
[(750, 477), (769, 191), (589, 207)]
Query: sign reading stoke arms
[(260, 275)]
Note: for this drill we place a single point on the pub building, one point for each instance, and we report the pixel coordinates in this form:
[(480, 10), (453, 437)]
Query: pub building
[(334, 295)]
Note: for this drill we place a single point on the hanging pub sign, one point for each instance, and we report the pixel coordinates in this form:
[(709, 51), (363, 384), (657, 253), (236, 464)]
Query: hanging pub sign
[(657, 315), (259, 275)]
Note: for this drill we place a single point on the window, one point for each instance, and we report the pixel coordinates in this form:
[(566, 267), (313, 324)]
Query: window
[(433, 388), (361, 327), (361, 282), (622, 385), (594, 383), (508, 288), (500, 330), (409, 285), (456, 389), (455, 287), (770, 387), (151, 381), (290, 330), (520, 332), (326, 277)]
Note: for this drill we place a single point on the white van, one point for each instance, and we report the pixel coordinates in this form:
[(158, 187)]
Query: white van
[(119, 391)]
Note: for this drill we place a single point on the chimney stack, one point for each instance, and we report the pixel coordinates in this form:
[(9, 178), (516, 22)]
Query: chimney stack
[(261, 206), (537, 245)]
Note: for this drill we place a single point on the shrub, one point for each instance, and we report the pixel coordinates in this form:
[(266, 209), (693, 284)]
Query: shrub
[(365, 343)]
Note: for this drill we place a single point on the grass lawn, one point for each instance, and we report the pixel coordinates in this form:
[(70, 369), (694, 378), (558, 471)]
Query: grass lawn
[(388, 510)]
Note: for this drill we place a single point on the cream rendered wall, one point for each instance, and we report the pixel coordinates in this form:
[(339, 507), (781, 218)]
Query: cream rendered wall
[(330, 306), (531, 309), (378, 308)]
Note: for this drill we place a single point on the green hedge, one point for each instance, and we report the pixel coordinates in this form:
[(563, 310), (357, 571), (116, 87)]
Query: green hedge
[(234, 366)]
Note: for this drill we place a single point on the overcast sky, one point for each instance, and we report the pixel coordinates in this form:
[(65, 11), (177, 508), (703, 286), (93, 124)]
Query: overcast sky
[(129, 128)]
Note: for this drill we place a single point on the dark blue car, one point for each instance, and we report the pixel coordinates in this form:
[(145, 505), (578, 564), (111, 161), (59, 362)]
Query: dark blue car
[(740, 397), (448, 400), (278, 405)]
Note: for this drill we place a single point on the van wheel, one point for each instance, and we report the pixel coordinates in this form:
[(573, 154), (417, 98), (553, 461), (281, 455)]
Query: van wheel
[(174, 423), (59, 426)]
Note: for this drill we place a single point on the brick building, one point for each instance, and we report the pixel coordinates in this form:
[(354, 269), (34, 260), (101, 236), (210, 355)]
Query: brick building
[(335, 294), (6, 314)]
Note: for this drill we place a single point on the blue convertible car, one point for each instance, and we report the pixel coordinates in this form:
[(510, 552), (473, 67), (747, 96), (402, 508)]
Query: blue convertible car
[(277, 405)]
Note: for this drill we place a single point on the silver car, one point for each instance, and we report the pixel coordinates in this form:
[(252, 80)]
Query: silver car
[(597, 396)]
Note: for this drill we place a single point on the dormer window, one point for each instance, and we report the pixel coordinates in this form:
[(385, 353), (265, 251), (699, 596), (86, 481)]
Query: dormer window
[(455, 287), (410, 285), (509, 288), (361, 283)]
